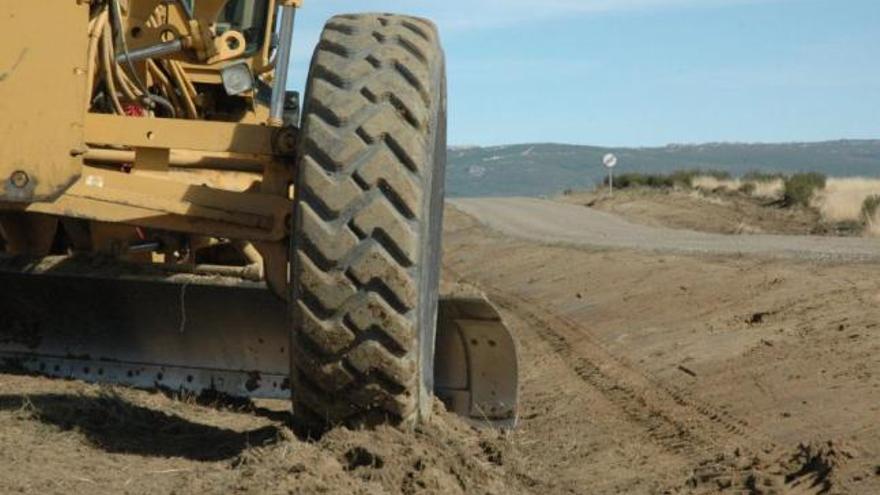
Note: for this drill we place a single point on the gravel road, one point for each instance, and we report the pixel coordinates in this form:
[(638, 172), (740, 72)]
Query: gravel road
[(554, 222)]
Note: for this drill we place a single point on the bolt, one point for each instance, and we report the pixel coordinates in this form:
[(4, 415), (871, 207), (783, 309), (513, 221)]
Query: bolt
[(285, 141), (19, 179)]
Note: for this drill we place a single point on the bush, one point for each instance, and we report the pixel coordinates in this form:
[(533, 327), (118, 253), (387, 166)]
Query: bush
[(759, 176), (869, 208), (715, 174), (800, 188), (678, 178), (686, 177), (635, 179), (683, 178), (747, 188)]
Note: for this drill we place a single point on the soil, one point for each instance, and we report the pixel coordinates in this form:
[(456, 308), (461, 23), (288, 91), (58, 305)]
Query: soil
[(641, 372), (722, 211), (70, 437)]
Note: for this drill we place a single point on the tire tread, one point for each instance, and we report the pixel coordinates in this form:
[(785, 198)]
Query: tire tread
[(361, 207)]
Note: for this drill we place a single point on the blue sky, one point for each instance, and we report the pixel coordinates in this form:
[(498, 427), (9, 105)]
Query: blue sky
[(646, 72)]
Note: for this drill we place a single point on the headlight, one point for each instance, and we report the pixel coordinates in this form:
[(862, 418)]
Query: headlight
[(237, 78)]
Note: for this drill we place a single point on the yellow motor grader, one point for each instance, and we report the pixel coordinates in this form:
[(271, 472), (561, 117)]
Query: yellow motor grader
[(170, 217)]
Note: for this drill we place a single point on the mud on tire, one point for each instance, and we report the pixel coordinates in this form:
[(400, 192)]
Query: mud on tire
[(368, 212)]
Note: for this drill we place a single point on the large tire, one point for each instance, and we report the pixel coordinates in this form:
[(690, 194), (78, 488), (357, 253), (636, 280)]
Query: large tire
[(367, 223)]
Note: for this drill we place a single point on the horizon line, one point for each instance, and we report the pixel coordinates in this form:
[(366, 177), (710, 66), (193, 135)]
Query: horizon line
[(667, 145)]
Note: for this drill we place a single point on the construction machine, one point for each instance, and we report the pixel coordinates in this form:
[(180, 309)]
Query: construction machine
[(171, 218)]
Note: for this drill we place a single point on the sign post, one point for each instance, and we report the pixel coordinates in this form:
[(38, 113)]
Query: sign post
[(609, 160)]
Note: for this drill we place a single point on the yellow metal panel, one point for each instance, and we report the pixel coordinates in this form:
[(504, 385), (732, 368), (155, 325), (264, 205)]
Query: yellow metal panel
[(114, 197), (178, 134), (42, 86), (93, 209), (152, 158)]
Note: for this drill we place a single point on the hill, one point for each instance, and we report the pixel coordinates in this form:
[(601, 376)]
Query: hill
[(542, 169)]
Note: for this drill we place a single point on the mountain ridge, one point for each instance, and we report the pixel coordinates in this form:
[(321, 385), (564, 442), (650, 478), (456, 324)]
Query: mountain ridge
[(537, 169)]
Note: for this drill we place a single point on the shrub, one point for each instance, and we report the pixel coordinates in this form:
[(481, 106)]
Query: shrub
[(800, 188), (678, 178), (635, 179), (682, 178), (686, 177), (715, 174), (869, 208), (759, 176), (748, 188)]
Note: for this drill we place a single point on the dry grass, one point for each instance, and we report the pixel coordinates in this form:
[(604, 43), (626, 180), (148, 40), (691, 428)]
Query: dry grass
[(842, 199), (839, 202), (871, 215), (771, 189), (712, 183)]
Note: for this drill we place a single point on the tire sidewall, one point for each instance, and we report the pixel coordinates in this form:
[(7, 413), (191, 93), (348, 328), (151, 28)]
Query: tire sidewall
[(431, 241)]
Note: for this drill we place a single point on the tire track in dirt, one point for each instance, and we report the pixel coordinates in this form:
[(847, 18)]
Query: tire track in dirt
[(553, 402), (724, 452), (720, 452), (672, 420)]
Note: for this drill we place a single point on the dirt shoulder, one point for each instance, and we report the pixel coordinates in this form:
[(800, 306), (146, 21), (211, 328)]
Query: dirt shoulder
[(723, 212), (648, 373)]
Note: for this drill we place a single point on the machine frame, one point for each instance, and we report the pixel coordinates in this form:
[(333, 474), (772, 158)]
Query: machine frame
[(71, 161)]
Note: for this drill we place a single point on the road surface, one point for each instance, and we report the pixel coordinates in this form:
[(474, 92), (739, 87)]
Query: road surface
[(555, 222)]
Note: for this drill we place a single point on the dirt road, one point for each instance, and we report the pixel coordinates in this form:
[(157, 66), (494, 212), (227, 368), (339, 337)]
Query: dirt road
[(551, 221), (650, 372)]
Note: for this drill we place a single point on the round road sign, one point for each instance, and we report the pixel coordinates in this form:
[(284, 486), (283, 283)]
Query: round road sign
[(609, 160)]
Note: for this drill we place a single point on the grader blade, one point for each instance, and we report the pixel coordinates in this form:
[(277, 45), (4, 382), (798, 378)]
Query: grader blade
[(180, 332), (60, 318)]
